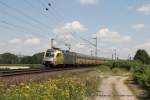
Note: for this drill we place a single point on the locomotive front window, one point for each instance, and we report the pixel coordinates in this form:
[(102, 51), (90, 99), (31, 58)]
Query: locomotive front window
[(49, 54)]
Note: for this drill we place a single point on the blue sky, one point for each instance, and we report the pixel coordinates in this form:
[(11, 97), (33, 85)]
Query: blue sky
[(26, 27)]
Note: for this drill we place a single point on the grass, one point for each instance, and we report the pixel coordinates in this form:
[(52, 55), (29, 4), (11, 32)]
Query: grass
[(68, 86), (106, 70)]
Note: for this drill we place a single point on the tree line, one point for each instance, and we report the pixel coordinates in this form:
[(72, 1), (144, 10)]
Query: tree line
[(9, 58)]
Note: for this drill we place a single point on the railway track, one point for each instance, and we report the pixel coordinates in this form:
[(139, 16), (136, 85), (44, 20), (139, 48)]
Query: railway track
[(7, 73)]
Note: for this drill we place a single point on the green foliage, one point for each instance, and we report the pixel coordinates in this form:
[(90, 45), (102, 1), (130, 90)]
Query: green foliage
[(37, 58), (8, 58), (62, 88), (123, 64), (142, 55), (26, 60), (142, 76)]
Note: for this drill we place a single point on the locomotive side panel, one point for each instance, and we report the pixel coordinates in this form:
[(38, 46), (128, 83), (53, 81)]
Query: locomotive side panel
[(59, 58), (69, 58)]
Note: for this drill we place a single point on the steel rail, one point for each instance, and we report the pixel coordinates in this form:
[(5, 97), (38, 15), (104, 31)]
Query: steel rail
[(32, 71)]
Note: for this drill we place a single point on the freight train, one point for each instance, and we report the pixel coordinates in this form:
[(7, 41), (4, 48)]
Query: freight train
[(57, 57)]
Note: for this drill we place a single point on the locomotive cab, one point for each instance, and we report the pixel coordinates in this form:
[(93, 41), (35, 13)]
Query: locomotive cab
[(53, 57), (49, 57)]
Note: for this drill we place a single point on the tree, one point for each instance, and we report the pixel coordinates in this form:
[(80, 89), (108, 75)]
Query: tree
[(37, 58), (26, 60), (142, 55), (8, 58)]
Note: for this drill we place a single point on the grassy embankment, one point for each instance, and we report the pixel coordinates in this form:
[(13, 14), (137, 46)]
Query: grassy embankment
[(68, 86), (80, 85)]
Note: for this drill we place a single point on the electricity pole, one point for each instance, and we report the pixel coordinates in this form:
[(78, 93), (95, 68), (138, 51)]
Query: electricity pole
[(52, 40), (95, 46), (115, 54), (112, 56)]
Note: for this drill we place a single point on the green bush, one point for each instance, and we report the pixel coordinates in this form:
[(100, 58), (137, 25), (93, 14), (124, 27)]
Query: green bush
[(142, 76), (123, 64)]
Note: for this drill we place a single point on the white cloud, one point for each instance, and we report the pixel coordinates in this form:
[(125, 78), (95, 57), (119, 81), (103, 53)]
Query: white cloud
[(23, 45), (2, 44), (145, 45), (27, 40), (14, 41), (33, 41), (106, 33), (138, 26), (111, 36), (67, 31), (144, 9), (88, 2), (126, 39), (70, 27)]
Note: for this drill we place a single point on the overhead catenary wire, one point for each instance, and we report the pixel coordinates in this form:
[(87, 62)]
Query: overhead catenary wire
[(42, 12), (21, 20), (53, 13), (71, 31), (44, 6), (42, 3), (58, 19), (27, 16), (24, 14), (20, 28)]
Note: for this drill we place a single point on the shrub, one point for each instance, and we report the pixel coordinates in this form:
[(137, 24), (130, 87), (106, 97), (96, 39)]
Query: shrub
[(123, 64), (54, 89), (142, 76)]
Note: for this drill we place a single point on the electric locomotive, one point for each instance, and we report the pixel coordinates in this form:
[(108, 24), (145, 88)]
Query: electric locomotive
[(57, 57)]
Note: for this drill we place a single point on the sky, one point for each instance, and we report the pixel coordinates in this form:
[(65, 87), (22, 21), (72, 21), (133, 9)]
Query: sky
[(27, 26)]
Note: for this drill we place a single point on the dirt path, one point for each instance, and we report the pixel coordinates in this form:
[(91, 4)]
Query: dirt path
[(114, 88)]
